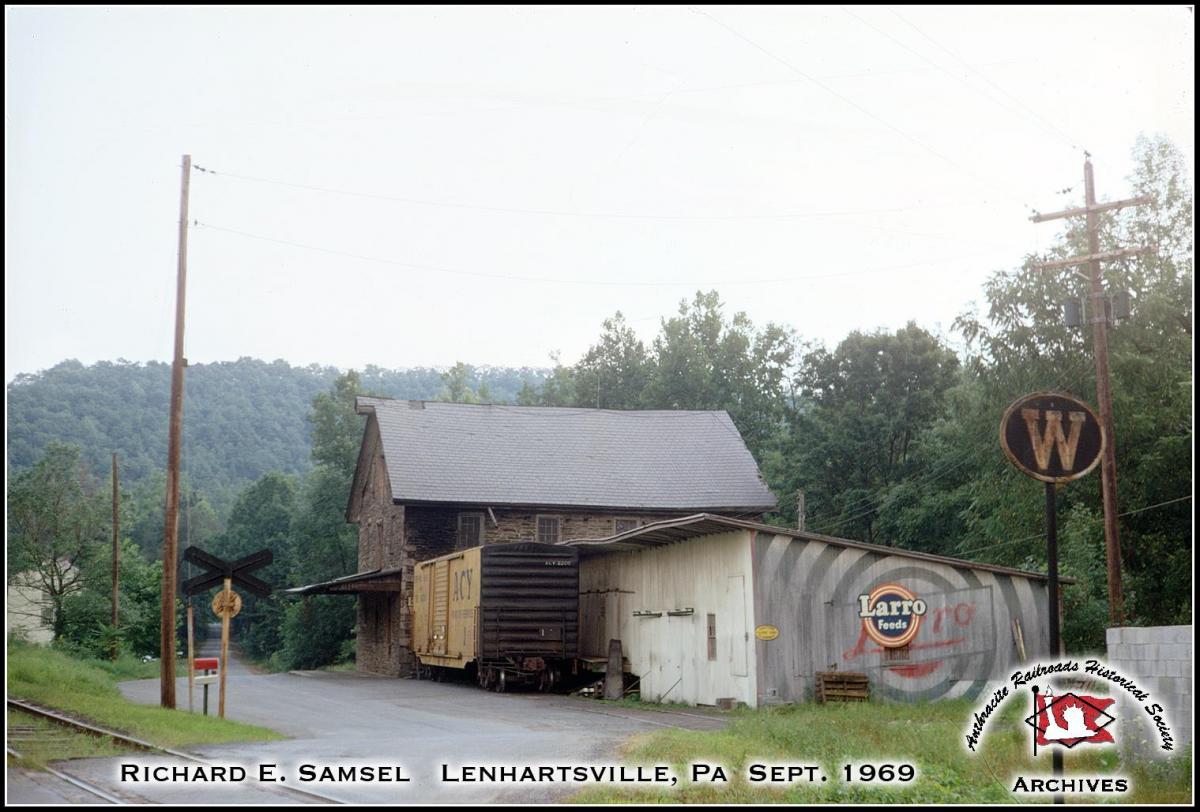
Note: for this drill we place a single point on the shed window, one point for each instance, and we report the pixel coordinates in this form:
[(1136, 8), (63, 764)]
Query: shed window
[(897, 655), (549, 529), (470, 530), (712, 637), (622, 525)]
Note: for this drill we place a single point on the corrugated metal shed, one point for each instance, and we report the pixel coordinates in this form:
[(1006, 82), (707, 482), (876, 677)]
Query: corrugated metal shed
[(524, 455)]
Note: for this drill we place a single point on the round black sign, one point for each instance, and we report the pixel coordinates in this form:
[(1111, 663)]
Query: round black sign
[(1052, 437)]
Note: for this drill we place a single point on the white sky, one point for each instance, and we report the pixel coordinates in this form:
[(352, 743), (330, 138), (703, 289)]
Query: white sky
[(611, 158)]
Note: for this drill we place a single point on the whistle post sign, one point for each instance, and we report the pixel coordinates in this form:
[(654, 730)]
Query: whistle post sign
[(1052, 437)]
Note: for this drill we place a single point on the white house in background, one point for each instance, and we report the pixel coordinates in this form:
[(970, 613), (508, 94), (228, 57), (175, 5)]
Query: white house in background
[(28, 610)]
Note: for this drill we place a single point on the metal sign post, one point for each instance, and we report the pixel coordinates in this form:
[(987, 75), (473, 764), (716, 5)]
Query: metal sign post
[(191, 631), (1053, 438), (227, 603)]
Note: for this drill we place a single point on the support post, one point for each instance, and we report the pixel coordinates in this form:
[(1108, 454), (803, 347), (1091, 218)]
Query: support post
[(116, 557), (171, 518), (191, 657), (225, 646), (1052, 601), (1108, 462)]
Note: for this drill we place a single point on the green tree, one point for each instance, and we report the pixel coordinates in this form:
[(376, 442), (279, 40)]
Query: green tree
[(314, 631), (56, 525), (863, 410), (615, 370), (87, 613), (702, 361)]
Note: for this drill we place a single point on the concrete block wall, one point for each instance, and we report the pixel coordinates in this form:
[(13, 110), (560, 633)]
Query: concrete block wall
[(1160, 658)]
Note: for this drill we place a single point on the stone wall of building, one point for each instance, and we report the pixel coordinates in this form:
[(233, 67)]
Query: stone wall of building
[(1160, 659), (383, 618)]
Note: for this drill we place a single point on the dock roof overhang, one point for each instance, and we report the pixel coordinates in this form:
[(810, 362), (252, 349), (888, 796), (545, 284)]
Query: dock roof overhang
[(670, 531), (380, 580)]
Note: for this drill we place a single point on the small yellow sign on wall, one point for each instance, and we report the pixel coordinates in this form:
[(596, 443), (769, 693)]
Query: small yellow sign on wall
[(766, 632)]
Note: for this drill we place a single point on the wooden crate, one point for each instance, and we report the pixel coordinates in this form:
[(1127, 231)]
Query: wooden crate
[(842, 686)]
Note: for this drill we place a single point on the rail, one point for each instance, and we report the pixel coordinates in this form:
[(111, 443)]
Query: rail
[(135, 743)]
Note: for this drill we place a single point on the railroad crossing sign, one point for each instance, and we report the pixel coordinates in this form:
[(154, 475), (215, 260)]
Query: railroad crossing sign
[(1052, 437), (220, 570), (227, 603)]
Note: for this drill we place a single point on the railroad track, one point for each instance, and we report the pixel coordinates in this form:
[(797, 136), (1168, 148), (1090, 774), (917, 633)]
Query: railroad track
[(78, 783), (134, 743)]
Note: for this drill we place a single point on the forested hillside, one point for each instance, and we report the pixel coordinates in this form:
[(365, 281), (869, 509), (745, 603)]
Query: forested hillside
[(241, 418)]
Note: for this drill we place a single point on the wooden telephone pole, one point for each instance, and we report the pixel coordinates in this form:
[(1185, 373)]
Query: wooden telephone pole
[(1099, 319), (171, 523), (116, 555)]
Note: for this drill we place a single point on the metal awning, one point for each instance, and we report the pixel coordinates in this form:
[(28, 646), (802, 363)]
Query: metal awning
[(370, 581)]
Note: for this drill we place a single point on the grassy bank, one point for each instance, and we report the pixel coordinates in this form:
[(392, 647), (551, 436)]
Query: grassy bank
[(930, 736), (88, 689)]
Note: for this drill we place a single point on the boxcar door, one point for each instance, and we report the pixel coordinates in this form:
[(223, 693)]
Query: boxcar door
[(439, 605)]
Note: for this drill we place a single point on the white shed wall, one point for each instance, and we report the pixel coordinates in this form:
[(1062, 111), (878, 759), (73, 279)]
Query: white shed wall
[(711, 575)]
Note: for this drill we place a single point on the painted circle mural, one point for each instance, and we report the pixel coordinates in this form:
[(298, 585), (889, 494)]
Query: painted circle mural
[(891, 615)]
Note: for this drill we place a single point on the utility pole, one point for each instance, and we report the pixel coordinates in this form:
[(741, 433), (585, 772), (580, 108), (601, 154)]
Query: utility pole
[(1099, 319), (116, 554), (171, 522), (800, 509)]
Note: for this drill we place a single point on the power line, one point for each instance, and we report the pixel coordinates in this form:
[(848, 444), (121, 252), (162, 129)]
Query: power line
[(601, 282), (1048, 124), (942, 68), (1042, 535), (588, 100), (863, 110), (887, 498), (416, 201)]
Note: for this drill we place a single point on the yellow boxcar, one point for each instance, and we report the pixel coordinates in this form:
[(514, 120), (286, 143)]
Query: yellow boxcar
[(505, 612)]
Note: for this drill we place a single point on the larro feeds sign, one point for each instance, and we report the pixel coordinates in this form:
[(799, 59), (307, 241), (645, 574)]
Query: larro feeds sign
[(891, 615), (1052, 437)]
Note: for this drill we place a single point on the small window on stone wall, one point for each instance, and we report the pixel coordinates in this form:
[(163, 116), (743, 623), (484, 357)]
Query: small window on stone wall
[(470, 531), (549, 529), (622, 525)]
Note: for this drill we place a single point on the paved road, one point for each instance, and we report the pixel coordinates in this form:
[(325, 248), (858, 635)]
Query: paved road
[(419, 725)]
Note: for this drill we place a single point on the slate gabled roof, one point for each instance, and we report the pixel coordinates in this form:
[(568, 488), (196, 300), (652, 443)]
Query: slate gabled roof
[(558, 457)]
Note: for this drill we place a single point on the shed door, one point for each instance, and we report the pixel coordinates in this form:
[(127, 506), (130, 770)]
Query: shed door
[(739, 634)]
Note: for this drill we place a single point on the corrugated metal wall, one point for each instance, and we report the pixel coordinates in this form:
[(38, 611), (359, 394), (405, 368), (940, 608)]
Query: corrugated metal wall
[(710, 575), (809, 590)]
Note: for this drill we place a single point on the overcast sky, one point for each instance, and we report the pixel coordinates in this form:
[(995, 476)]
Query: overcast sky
[(418, 186)]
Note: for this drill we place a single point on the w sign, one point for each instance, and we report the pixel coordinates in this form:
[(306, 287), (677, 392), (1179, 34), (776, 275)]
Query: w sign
[(1052, 437)]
